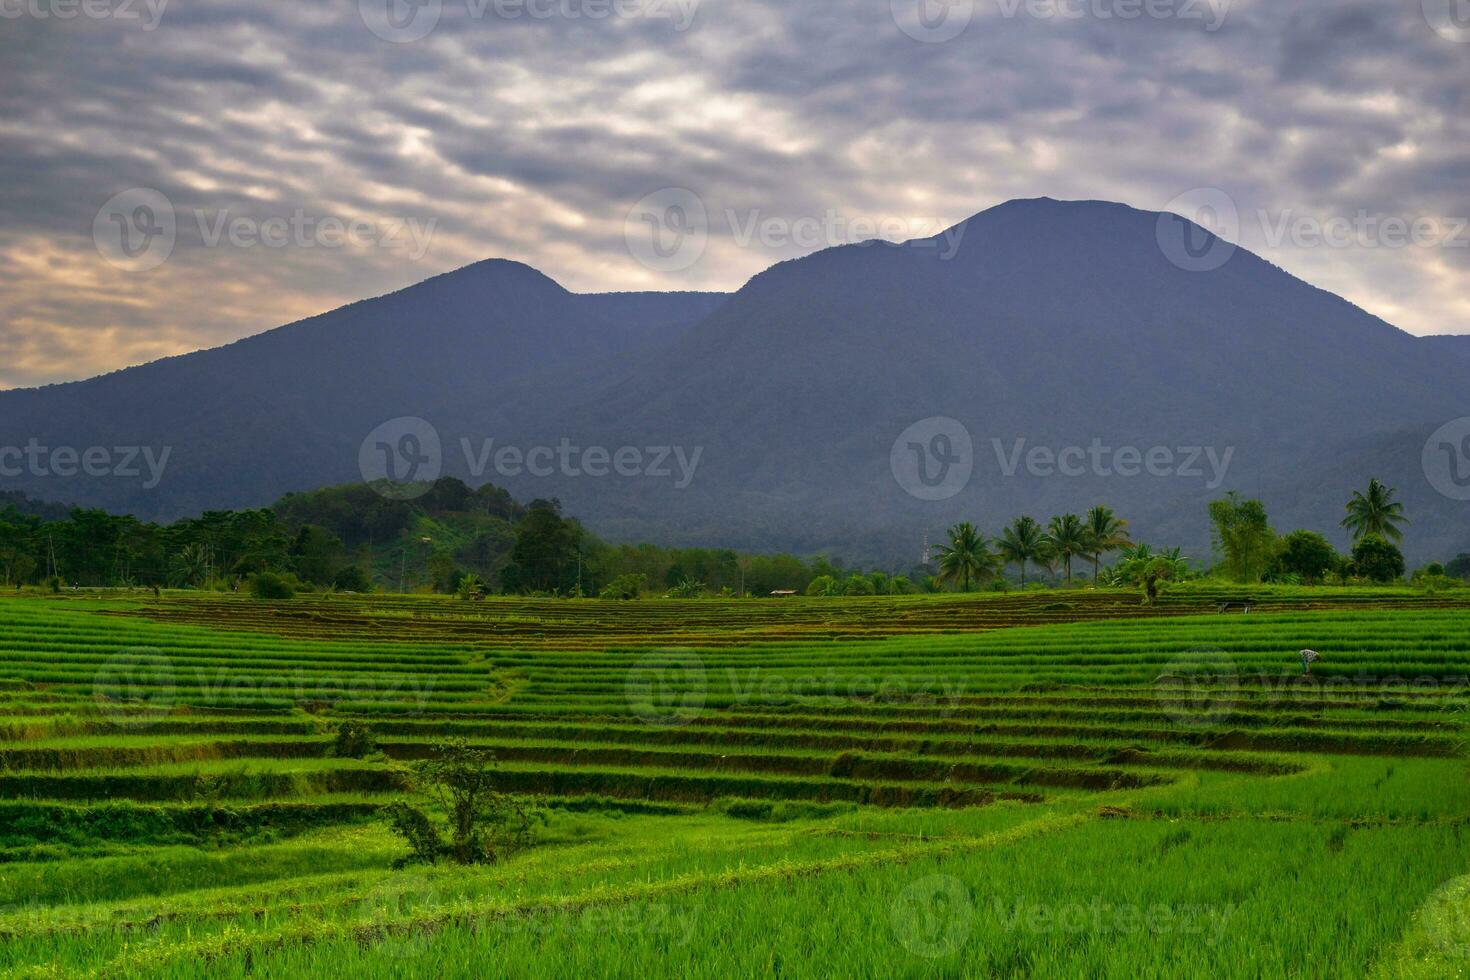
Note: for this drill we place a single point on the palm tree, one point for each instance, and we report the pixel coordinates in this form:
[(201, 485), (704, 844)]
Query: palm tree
[(1067, 537), (1023, 541), (1375, 512), (1106, 532), (967, 556)]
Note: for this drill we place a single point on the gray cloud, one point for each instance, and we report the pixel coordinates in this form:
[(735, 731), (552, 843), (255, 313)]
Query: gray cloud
[(531, 138)]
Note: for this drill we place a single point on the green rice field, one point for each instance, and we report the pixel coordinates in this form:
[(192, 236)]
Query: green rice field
[(1041, 784)]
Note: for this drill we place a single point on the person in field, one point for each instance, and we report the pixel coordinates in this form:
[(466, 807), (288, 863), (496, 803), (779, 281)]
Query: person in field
[(1307, 657)]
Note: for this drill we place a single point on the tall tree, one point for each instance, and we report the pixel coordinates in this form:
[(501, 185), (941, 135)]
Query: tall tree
[(1242, 536), (966, 558), (1106, 533), (1375, 512), (1066, 536), (1021, 542)]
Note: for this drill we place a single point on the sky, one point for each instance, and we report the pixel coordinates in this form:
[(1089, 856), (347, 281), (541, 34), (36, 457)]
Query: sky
[(177, 174)]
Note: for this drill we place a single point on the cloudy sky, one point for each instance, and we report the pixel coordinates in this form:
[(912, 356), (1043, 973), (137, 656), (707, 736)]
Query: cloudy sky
[(181, 173)]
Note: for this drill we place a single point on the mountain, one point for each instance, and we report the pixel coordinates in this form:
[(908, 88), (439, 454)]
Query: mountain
[(1037, 325), (1053, 322), (286, 410)]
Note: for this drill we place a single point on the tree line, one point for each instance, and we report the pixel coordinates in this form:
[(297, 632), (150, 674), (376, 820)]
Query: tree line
[(450, 538)]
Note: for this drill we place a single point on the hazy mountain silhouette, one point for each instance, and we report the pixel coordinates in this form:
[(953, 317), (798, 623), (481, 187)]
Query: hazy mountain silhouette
[(1053, 322)]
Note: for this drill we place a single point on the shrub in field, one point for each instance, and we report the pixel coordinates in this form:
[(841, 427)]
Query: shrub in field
[(352, 579), (686, 590), (269, 585), (470, 587), (1376, 559), (824, 585), (1432, 578), (628, 586), (1305, 554), (485, 825), (354, 741)]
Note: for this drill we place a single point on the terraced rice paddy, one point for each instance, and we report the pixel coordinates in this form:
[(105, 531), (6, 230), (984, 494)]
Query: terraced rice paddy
[(1049, 784)]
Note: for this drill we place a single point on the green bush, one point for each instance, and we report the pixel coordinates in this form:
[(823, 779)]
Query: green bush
[(624, 587), (354, 741), (353, 578), (485, 824), (270, 586), (1376, 559)]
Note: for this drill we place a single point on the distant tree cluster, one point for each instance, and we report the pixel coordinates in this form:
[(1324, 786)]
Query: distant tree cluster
[(970, 558), (1250, 551)]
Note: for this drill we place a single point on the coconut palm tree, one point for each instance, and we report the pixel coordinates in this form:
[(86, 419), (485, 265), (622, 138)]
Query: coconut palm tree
[(1067, 537), (1375, 512), (1024, 541), (967, 557), (1106, 532)]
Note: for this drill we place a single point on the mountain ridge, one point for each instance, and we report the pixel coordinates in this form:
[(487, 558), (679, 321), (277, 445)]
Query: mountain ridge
[(1037, 319)]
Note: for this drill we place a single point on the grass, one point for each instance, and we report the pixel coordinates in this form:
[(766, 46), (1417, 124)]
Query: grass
[(1019, 785)]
